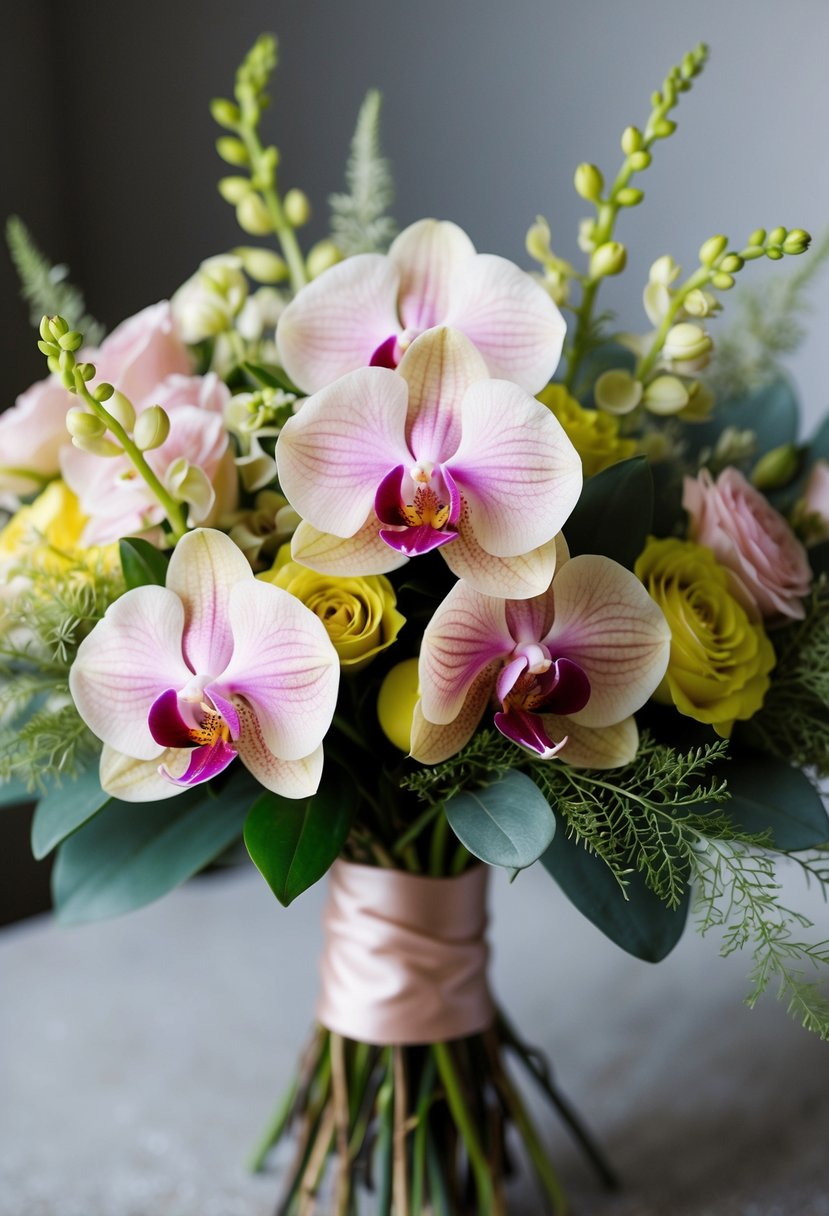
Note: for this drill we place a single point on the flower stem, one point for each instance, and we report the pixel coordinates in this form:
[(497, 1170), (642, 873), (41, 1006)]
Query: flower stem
[(463, 1120)]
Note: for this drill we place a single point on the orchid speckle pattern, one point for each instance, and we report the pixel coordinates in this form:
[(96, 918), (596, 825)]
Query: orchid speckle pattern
[(179, 680)]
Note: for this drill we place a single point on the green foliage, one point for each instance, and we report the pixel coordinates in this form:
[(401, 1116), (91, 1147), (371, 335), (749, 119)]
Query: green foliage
[(487, 757), (359, 223), (142, 563), (614, 514), (45, 287), (508, 823), (65, 808), (42, 735), (793, 722)]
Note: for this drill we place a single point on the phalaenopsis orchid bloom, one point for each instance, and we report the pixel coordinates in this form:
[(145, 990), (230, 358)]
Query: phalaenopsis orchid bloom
[(370, 308), (384, 466), (179, 680), (565, 670)]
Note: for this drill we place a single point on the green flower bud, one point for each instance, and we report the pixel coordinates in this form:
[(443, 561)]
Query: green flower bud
[(83, 425), (640, 160), (753, 252), (629, 196), (777, 468), (587, 235), (631, 140), (297, 208), (66, 361), (757, 237), (665, 395), (50, 349), (588, 181), (723, 281), (797, 241), (234, 189), (53, 363), (232, 151), (700, 402), (71, 340), (57, 328), (252, 216), (731, 263), (46, 329), (537, 242), (609, 258), (777, 236), (122, 410), (321, 257), (263, 265), (774, 253), (225, 113), (711, 249), (617, 392), (663, 127), (687, 342), (270, 159), (151, 428), (87, 370), (103, 392), (98, 447), (699, 303)]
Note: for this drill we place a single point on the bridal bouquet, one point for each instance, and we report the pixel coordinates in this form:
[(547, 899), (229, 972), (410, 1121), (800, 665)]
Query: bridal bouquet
[(365, 554)]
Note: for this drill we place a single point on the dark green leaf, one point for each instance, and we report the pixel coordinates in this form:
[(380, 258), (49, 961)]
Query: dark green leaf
[(771, 412), (14, 792), (142, 563), (65, 808), (770, 795), (136, 852), (293, 841), (614, 515), (642, 924), (819, 558), (508, 823), (604, 358), (270, 377)]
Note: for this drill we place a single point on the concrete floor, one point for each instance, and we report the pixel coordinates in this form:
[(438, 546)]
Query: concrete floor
[(139, 1059)]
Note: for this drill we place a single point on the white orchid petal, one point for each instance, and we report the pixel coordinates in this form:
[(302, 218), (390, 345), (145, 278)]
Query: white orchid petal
[(438, 367), (349, 557), (334, 453), (131, 657), (516, 468), (133, 780), (290, 778), (284, 666), (467, 633), (510, 318), (508, 577), (593, 746), (426, 255), (204, 568), (607, 623), (431, 743), (337, 322)]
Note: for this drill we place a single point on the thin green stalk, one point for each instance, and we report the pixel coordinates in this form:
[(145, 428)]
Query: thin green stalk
[(417, 827), (463, 1120), (283, 230), (437, 848), (425, 1098), (275, 1128)]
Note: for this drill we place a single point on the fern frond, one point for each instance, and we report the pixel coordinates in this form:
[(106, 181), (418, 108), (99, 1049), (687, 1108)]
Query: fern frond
[(45, 287), (359, 223)]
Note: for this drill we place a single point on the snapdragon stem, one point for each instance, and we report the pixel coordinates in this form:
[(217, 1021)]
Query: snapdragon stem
[(283, 230)]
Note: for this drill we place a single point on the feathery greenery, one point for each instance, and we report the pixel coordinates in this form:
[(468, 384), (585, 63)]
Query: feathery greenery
[(359, 223), (45, 287)]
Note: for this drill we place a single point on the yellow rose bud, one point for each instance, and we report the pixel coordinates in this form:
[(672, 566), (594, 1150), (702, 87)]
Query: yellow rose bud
[(360, 614), (718, 671), (396, 703)]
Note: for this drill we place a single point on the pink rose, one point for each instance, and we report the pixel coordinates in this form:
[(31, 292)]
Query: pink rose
[(815, 502), (750, 539), (32, 433), (141, 352)]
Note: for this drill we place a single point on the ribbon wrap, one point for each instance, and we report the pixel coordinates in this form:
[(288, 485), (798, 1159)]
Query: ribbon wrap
[(404, 957)]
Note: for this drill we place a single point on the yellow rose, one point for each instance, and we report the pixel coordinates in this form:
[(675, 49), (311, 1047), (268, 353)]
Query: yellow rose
[(720, 660), (47, 533), (360, 614), (396, 702), (593, 433)]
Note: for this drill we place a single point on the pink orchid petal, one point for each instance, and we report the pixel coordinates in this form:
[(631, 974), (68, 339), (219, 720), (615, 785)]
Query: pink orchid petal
[(414, 541), (204, 569), (530, 620), (607, 623), (527, 730), (506, 577), (167, 726), (206, 762), (290, 778), (507, 676), (510, 318), (131, 657), (516, 468), (427, 255), (431, 743), (593, 747), (338, 321), (349, 557), (467, 632), (438, 367), (334, 453), (283, 665), (133, 780)]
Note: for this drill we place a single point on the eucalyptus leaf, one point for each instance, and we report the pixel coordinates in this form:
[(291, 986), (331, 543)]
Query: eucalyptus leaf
[(294, 841), (15, 793), (65, 808), (508, 823), (819, 443), (770, 795), (614, 515), (135, 852), (642, 924), (142, 563)]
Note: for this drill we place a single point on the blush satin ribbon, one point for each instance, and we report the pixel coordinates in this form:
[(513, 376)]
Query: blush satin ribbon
[(404, 956)]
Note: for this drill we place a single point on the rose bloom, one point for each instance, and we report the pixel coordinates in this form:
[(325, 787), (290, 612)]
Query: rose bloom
[(718, 671), (359, 614), (751, 539), (813, 508)]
